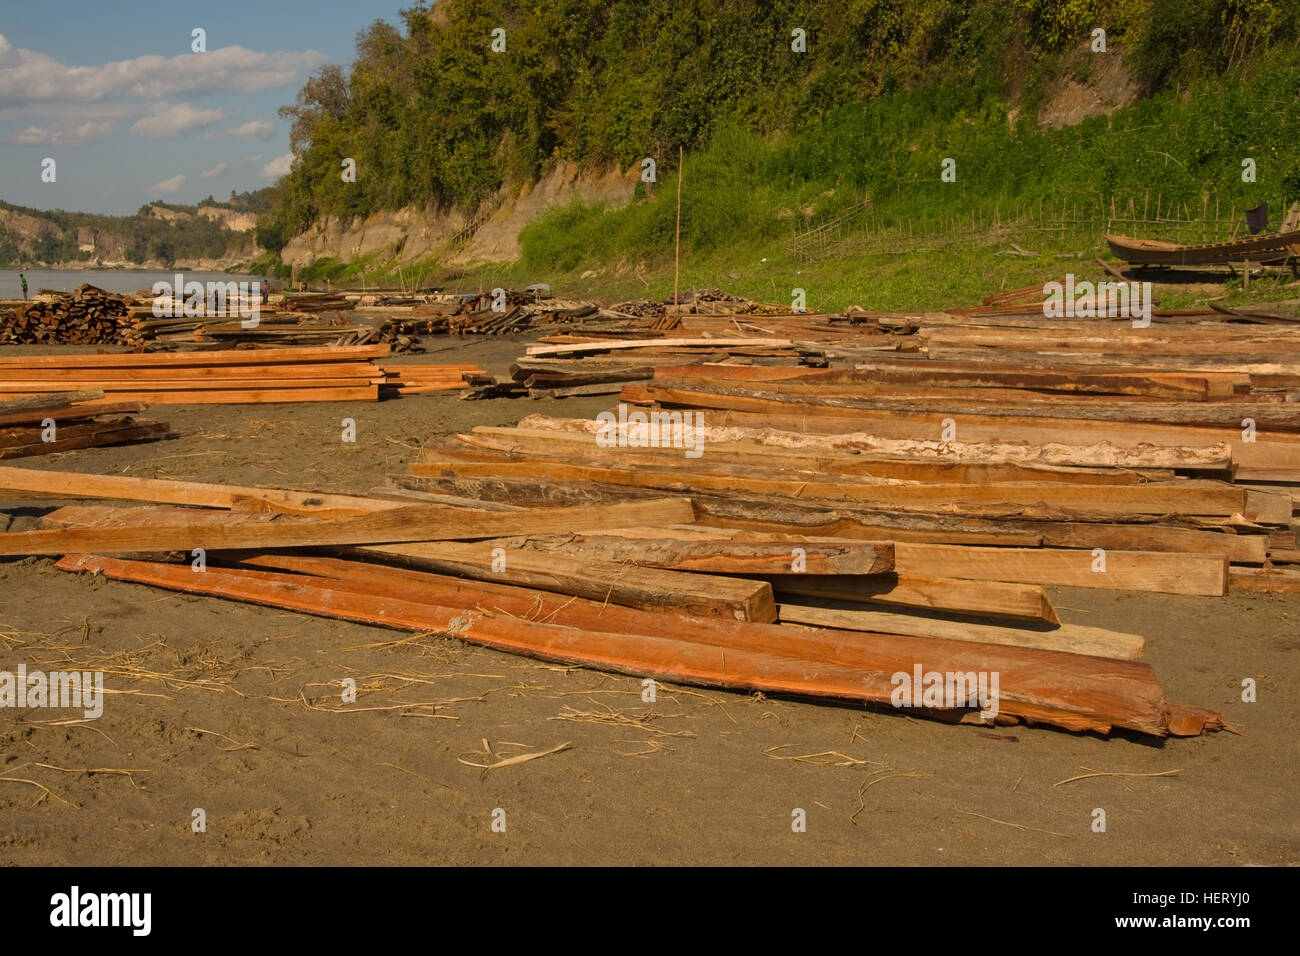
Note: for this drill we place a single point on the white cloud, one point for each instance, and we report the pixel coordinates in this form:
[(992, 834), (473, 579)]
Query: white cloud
[(58, 134), (278, 167), (216, 170), (253, 158), (169, 185), (253, 129), (167, 121), (27, 76)]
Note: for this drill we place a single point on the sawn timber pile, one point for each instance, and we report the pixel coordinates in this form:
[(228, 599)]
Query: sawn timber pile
[(240, 376), (590, 585)]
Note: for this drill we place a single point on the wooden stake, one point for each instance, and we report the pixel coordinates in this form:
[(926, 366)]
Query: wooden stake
[(677, 240)]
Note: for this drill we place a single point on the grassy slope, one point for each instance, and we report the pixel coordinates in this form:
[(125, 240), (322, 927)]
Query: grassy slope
[(926, 243)]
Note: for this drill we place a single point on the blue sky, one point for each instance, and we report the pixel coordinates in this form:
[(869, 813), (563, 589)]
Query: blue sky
[(112, 92)]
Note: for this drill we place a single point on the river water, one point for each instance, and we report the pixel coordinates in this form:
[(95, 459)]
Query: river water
[(110, 280)]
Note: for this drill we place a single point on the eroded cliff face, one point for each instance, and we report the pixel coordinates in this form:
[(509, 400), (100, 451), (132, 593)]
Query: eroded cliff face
[(453, 235), (28, 227), (108, 247)]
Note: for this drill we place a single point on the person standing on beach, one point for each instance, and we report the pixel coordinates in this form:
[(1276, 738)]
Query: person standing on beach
[(23, 279)]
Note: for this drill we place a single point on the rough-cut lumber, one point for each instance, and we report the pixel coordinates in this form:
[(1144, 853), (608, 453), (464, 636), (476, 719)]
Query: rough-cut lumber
[(218, 530), (183, 359), (1074, 638), (22, 443), (1261, 581), (650, 588), (238, 376), (756, 514), (544, 434), (67, 484), (609, 345), (1266, 415), (71, 412), (1116, 570), (1066, 499), (725, 555), (996, 599), (28, 403), (1066, 690)]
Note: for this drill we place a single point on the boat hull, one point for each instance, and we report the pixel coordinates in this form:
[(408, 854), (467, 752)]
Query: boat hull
[(1261, 249)]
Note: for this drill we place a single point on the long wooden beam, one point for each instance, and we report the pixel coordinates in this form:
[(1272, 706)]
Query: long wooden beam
[(1114, 570), (649, 588), (1074, 638), (69, 484), (1065, 499), (220, 530)]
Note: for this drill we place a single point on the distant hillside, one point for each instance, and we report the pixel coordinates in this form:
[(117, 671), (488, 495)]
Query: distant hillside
[(158, 235)]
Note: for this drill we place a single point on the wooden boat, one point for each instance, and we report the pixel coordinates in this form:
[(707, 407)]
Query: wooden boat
[(1279, 247)]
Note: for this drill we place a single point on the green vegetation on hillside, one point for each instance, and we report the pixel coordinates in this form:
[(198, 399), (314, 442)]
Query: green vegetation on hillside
[(778, 143), (431, 116)]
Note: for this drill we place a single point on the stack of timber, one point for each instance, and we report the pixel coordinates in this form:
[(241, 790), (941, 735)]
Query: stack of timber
[(237, 376), (1186, 465), (417, 379), (311, 302), (579, 365), (271, 329), (589, 585), (88, 316), (44, 424)]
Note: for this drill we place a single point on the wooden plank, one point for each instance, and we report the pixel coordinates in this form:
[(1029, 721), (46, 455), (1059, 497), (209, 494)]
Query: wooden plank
[(1116, 570), (1267, 415), (279, 355), (798, 446), (758, 514), (862, 454), (29, 403), (610, 345), (69, 484), (218, 530), (862, 379), (1237, 548), (996, 599), (716, 555), (198, 373), (1062, 498), (165, 388), (369, 393), (1260, 581), (71, 413), (649, 588), (1074, 638), (104, 435)]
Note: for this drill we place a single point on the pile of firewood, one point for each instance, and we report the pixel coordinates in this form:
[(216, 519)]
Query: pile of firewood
[(88, 316)]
